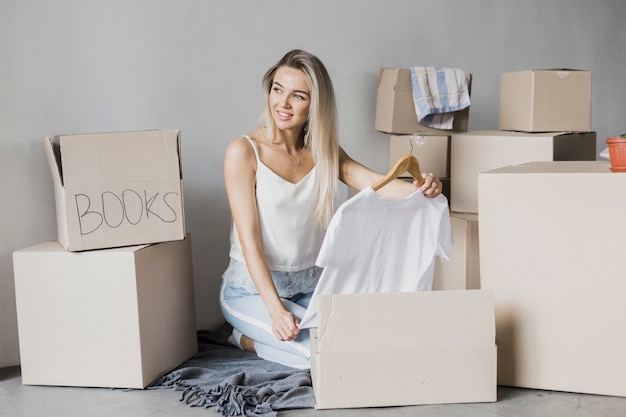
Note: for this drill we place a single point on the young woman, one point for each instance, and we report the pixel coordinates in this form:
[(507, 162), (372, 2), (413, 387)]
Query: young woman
[(281, 182)]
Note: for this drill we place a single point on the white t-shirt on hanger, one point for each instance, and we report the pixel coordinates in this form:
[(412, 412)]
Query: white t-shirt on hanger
[(376, 245)]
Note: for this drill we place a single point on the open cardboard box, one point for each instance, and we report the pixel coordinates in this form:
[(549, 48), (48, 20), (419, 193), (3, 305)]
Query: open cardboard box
[(395, 110), (117, 189), (429, 347)]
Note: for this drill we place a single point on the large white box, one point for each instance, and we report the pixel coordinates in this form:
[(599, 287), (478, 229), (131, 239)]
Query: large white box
[(552, 251), (549, 100), (108, 318), (462, 269), (395, 111), (117, 189), (428, 347), (474, 152), (432, 152)]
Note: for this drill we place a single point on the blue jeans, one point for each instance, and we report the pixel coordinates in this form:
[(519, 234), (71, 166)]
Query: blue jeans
[(244, 309)]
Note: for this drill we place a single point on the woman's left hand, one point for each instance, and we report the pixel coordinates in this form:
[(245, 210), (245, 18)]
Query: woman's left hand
[(432, 186)]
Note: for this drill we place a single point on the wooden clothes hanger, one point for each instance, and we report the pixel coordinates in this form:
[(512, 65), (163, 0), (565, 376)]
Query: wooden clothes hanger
[(407, 163)]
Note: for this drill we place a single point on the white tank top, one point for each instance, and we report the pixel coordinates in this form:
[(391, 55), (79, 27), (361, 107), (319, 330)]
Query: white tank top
[(290, 233)]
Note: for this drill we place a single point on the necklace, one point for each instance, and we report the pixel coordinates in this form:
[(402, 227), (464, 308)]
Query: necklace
[(296, 161)]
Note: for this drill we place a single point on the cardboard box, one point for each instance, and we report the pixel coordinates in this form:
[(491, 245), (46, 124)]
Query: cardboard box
[(432, 152), (117, 189), (551, 100), (553, 253), (474, 152), (378, 350), (395, 111), (108, 318), (462, 270)]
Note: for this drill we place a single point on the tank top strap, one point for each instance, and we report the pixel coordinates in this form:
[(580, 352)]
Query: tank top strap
[(256, 152)]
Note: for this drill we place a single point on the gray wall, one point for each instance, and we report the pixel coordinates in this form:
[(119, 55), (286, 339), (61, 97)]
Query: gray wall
[(89, 66)]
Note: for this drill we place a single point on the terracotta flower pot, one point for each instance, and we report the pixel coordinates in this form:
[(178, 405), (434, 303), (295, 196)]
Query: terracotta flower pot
[(617, 153)]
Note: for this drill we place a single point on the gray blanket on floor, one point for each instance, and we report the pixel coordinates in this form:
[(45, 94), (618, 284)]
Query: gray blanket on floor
[(236, 382)]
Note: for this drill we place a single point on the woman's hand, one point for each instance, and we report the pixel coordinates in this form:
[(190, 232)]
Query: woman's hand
[(285, 325), (432, 186)]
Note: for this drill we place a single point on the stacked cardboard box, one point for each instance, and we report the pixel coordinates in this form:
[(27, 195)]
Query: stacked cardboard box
[(395, 114), (462, 269), (544, 116), (553, 253), (551, 262), (551, 100), (395, 111), (111, 304), (117, 189), (478, 151), (517, 181)]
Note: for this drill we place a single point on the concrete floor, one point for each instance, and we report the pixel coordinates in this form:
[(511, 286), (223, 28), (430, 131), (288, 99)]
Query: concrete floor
[(17, 400)]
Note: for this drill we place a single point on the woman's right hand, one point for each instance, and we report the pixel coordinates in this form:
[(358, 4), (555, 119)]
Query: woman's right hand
[(285, 325)]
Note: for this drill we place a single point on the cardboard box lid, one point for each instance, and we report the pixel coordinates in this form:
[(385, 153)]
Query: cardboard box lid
[(582, 78), (553, 167), (513, 134), (103, 158), (358, 322), (554, 70)]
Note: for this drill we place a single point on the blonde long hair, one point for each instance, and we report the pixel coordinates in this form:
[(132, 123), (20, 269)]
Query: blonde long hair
[(320, 133)]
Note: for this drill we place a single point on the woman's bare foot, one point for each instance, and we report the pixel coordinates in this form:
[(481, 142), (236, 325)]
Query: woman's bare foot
[(247, 344)]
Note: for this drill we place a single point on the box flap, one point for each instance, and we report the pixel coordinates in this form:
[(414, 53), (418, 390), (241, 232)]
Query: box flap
[(429, 320), (104, 158), (389, 80), (53, 154)]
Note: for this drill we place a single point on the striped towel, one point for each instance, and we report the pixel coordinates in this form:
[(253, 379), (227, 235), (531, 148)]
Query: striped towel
[(437, 93)]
